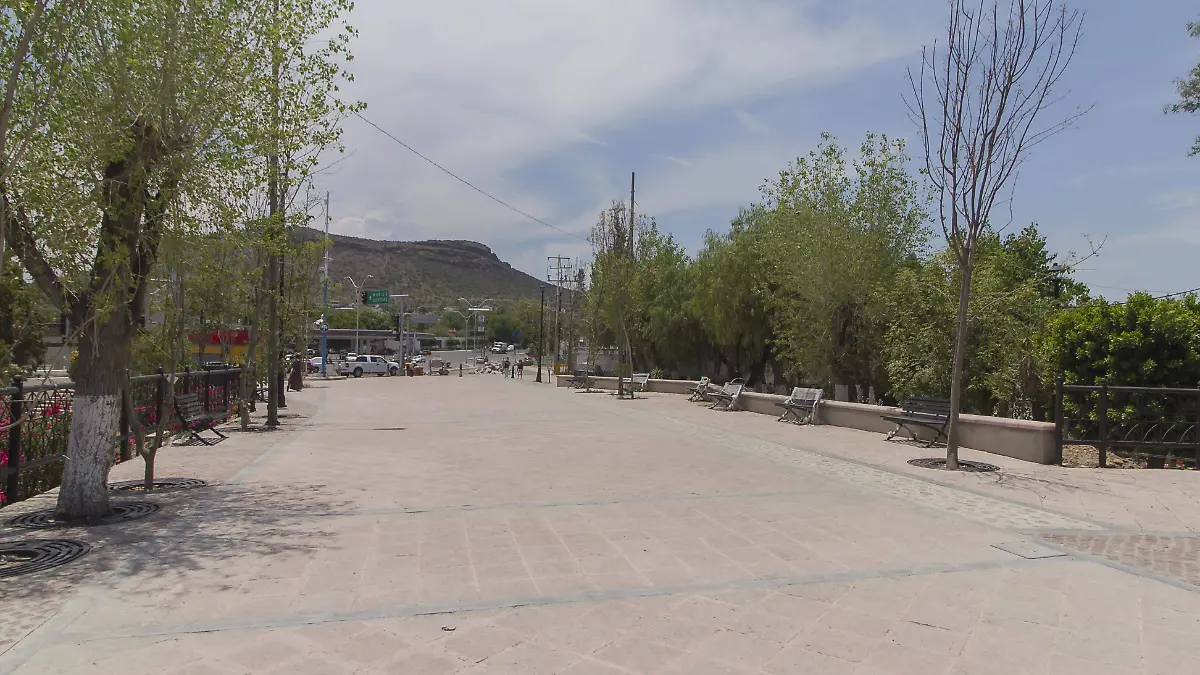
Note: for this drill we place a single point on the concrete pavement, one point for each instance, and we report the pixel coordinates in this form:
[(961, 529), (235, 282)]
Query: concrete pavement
[(481, 525)]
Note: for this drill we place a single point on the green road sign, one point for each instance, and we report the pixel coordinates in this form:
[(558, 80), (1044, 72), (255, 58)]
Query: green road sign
[(377, 297)]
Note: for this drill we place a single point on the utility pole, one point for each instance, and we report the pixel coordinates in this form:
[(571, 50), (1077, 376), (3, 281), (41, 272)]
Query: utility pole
[(632, 217), (541, 334), (325, 297)]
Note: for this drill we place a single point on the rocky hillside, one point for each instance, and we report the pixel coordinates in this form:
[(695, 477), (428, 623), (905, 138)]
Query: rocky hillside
[(433, 273)]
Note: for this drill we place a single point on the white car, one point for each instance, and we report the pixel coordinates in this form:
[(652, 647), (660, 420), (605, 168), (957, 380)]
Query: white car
[(368, 363)]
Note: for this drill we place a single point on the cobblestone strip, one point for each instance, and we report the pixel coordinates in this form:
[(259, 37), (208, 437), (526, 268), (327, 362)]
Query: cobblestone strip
[(1174, 557), (979, 508)]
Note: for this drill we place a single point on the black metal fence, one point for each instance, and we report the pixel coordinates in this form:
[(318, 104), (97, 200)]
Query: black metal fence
[(1158, 425), (35, 422)]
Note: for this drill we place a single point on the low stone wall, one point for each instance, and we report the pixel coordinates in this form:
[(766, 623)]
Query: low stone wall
[(1020, 439)]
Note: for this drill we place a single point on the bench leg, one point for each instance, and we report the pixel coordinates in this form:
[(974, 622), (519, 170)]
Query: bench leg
[(198, 437)]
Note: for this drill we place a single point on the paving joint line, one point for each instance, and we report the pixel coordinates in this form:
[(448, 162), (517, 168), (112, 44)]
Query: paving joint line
[(693, 429), (409, 611)]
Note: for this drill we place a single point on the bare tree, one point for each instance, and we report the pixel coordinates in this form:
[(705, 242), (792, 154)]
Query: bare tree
[(978, 101)]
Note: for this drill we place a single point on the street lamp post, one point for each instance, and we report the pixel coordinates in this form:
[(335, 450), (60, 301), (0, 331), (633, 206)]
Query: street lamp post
[(541, 332), (403, 344), (358, 305), (474, 308)]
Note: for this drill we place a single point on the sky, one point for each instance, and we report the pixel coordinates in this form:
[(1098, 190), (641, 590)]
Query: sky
[(550, 104)]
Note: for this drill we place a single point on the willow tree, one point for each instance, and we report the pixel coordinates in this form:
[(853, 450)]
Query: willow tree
[(834, 232), (979, 101)]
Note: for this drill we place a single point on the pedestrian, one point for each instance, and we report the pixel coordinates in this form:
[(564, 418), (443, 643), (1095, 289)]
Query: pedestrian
[(507, 366), (520, 371)]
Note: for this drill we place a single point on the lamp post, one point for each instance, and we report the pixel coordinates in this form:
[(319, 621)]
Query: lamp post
[(541, 332), (474, 309), (1056, 273), (401, 298), (358, 304)]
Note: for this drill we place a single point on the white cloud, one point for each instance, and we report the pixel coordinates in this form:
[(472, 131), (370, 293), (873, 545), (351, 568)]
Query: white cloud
[(496, 90)]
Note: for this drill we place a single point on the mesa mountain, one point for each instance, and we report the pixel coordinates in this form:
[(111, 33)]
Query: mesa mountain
[(433, 273)]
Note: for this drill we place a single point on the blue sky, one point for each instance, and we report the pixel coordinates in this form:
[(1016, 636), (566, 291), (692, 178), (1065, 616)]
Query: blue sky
[(549, 105)]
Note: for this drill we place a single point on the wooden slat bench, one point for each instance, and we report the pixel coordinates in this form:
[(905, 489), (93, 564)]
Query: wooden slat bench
[(196, 419), (921, 411)]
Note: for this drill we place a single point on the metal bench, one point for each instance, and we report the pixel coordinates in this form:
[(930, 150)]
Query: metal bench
[(801, 406), (700, 391), (920, 411), (726, 397), (196, 419), (580, 379), (637, 382)]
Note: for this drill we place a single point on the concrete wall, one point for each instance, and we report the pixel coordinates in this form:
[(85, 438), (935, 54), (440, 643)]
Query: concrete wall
[(1020, 439)]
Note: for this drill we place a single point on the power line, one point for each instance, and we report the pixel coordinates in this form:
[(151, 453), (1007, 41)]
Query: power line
[(466, 182), (1163, 297)]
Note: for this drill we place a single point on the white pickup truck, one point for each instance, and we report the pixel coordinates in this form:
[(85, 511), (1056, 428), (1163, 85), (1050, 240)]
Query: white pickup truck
[(368, 363)]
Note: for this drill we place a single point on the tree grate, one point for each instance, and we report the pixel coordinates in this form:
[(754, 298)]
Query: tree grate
[(18, 558), (160, 484), (119, 513), (963, 465)]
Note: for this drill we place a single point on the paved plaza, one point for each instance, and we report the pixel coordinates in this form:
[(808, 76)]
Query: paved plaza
[(478, 525)]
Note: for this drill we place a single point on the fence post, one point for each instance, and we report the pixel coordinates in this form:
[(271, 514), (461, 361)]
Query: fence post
[(126, 452), (160, 387), (226, 378), (204, 382), (1058, 420), (16, 406), (1103, 445)]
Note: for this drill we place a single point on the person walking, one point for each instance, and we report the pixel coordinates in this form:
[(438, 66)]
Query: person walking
[(507, 366), (520, 370)]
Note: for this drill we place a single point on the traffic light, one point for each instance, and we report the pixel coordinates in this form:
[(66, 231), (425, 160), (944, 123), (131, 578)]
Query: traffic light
[(364, 297)]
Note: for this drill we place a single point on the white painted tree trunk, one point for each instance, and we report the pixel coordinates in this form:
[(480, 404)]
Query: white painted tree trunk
[(90, 447)]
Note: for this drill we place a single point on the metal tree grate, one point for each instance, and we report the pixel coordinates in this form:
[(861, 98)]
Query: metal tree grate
[(41, 520), (160, 484), (18, 558), (963, 464)]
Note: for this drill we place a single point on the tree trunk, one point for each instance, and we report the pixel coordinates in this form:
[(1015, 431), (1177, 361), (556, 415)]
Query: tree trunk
[(249, 379), (95, 414), (957, 385)]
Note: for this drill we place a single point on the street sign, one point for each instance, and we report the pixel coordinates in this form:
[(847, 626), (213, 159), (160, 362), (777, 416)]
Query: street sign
[(381, 296)]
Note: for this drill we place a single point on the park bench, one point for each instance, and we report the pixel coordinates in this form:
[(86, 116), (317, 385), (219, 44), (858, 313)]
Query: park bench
[(801, 406), (637, 382), (920, 411), (726, 397), (196, 419), (580, 379), (700, 391)]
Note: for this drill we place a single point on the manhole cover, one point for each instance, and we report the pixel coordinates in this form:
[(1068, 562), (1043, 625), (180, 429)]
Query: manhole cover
[(120, 512), (963, 464), (18, 558), (159, 484)]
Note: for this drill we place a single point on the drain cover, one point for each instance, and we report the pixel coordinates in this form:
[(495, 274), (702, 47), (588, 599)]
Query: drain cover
[(40, 520), (18, 558), (159, 484), (963, 464)]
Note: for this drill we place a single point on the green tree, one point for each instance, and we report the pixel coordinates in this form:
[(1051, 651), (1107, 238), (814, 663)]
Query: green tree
[(728, 299), (1016, 295), (1189, 90), (834, 234), (1144, 342)]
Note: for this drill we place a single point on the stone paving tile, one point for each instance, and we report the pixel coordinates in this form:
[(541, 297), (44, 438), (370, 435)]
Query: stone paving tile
[(1174, 557)]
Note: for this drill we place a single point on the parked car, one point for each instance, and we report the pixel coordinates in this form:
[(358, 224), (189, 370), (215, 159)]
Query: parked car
[(314, 364), (368, 363)]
